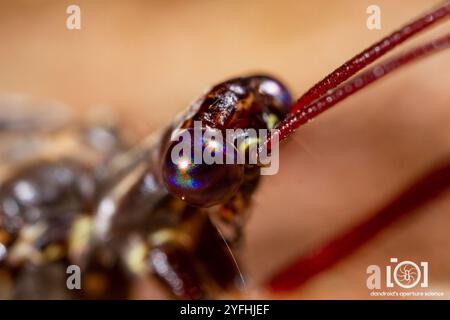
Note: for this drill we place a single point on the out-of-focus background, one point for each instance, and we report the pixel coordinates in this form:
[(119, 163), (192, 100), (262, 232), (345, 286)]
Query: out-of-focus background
[(147, 60)]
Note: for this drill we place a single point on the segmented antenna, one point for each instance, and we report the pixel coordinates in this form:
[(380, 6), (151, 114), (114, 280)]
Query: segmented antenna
[(294, 120), (336, 86), (369, 55)]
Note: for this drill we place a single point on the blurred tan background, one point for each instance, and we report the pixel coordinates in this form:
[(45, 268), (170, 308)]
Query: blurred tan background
[(148, 59)]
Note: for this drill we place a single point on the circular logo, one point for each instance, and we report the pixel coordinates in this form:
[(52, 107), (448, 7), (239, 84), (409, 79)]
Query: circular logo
[(407, 274)]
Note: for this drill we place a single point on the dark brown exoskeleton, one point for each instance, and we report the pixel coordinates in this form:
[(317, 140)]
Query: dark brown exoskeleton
[(179, 240), (115, 215), (48, 194)]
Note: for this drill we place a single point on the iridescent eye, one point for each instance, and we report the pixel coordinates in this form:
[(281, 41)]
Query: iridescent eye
[(197, 170), (279, 95)]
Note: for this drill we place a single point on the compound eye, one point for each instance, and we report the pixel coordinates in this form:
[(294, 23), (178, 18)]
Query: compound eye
[(278, 94), (201, 167)]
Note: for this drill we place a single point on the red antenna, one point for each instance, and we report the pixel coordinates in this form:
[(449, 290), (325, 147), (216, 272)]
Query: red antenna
[(319, 98), (369, 55), (334, 88), (422, 191)]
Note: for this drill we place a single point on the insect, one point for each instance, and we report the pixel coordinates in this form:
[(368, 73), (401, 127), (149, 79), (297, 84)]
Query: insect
[(80, 194)]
